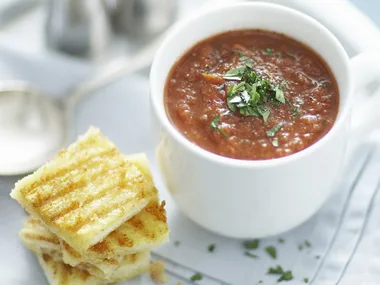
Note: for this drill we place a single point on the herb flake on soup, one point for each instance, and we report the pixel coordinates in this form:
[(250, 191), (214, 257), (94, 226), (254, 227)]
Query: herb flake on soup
[(251, 94)]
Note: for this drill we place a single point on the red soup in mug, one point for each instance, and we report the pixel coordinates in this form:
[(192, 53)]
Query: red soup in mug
[(251, 94)]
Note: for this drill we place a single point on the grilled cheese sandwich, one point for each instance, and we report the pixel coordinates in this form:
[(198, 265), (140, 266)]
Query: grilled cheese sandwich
[(86, 192), (146, 230)]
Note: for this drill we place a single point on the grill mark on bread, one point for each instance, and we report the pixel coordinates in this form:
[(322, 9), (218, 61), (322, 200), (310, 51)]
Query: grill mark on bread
[(37, 191), (33, 221), (81, 221), (101, 247), (158, 211), (39, 237), (47, 176), (123, 240), (101, 190), (70, 250)]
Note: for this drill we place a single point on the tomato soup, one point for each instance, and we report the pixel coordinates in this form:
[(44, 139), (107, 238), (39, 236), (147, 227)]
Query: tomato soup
[(251, 94)]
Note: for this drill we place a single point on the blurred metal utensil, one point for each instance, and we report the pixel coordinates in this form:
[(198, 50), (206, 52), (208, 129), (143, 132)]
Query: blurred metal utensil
[(141, 18), (77, 27), (33, 126), (10, 10)]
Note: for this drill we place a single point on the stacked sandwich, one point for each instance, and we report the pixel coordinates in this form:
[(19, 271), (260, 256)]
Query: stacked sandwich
[(94, 214)]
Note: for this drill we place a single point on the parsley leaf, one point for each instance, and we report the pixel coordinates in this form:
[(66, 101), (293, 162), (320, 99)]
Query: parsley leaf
[(281, 240), (235, 73), (306, 280), (275, 142), (252, 244), (279, 54), (272, 251), (286, 276), (275, 270), (177, 243), (215, 126), (274, 130), (317, 257), (295, 111), (251, 255), (307, 243), (268, 51), (211, 247), (300, 247), (196, 277), (264, 112), (280, 94), (239, 52)]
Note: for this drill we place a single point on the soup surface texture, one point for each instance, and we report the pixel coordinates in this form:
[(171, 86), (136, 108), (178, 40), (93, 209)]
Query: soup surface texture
[(251, 94)]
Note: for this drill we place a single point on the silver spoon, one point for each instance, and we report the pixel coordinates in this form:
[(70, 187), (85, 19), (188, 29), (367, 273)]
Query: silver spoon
[(34, 127)]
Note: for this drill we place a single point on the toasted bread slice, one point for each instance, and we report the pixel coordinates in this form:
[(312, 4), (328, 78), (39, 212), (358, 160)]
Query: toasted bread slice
[(36, 236), (40, 240), (141, 161), (129, 267), (58, 273), (86, 192), (146, 230)]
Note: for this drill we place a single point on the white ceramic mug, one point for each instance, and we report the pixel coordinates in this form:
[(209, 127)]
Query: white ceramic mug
[(247, 199)]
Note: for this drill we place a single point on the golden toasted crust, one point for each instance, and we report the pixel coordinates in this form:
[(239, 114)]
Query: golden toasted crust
[(58, 273), (86, 192), (34, 235), (129, 267), (144, 231)]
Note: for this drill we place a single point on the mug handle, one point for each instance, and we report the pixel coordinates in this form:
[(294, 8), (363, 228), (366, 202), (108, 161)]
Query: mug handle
[(365, 117)]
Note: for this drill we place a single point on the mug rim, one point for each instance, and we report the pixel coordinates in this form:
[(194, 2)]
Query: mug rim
[(213, 157)]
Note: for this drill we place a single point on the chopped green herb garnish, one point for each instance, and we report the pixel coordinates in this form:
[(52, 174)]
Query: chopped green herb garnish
[(253, 94), (279, 53), (295, 111), (286, 276), (306, 280), (260, 281), (235, 73), (307, 243), (211, 247), (239, 52), (215, 126), (251, 255), (325, 84), (272, 251), (177, 243), (281, 240), (251, 244), (268, 51), (317, 257), (275, 270), (196, 277), (280, 94), (274, 130), (275, 142), (264, 113), (300, 247)]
